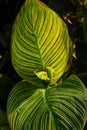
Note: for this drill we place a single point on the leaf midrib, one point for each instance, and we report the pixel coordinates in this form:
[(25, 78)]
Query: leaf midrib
[(47, 104), (39, 52)]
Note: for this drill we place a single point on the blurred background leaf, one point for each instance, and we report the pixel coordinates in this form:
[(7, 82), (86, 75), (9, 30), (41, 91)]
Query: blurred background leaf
[(3, 121), (6, 85)]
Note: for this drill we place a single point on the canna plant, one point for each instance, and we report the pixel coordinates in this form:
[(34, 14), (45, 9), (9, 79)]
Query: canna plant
[(40, 44), (46, 99), (60, 107)]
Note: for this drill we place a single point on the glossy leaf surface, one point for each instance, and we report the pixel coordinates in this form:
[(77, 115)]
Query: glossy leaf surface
[(61, 107), (40, 40)]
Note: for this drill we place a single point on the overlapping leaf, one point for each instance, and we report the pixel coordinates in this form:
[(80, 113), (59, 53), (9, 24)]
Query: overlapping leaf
[(39, 40), (62, 107)]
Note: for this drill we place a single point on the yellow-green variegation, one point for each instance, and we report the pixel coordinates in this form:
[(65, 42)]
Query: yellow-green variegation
[(61, 107), (40, 44)]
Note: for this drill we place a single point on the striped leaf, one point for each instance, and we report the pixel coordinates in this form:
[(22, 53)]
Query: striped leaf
[(3, 121), (62, 107), (40, 41)]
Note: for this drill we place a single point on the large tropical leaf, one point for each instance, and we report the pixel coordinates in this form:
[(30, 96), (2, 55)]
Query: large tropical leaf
[(3, 121), (40, 44), (62, 107)]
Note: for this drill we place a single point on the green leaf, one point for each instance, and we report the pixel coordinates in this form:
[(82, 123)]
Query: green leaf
[(40, 40), (46, 75), (61, 107), (3, 121), (42, 75)]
